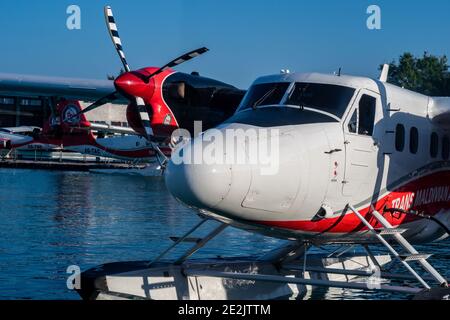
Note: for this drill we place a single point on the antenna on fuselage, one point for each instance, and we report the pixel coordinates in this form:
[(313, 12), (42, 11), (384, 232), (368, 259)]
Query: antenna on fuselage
[(384, 73), (338, 73)]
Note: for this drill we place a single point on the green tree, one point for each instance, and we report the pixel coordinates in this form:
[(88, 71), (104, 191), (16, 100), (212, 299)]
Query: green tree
[(427, 74)]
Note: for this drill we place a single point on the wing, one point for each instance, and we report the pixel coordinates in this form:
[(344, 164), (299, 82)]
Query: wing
[(69, 88), (110, 129), (439, 111)]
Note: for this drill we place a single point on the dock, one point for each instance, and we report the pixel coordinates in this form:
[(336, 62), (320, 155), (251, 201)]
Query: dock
[(64, 165)]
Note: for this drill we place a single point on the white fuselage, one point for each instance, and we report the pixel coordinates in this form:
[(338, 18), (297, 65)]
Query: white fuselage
[(328, 159)]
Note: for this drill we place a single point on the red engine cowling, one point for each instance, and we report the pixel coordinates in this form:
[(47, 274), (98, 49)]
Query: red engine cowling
[(131, 85)]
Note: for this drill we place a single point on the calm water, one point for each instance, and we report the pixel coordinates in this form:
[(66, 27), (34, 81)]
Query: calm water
[(51, 220)]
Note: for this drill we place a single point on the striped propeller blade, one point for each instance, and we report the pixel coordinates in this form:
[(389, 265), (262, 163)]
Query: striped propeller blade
[(114, 33), (182, 59), (143, 114), (145, 119)]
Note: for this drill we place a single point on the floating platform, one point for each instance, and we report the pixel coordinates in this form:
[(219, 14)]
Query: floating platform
[(291, 271), (225, 279)]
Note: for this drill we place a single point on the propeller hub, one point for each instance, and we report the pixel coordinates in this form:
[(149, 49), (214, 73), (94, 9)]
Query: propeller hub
[(132, 84)]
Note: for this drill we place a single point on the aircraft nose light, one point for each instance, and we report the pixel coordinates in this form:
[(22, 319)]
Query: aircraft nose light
[(199, 185)]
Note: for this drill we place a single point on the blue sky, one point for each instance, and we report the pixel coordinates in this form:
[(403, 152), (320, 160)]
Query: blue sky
[(247, 38)]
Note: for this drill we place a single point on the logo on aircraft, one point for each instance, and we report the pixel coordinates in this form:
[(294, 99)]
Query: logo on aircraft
[(69, 114)]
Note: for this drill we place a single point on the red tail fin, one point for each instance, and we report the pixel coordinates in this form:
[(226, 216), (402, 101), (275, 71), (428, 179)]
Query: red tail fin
[(64, 121), (63, 124)]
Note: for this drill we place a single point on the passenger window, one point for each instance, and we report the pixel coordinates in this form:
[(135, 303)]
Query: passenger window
[(445, 148), (367, 107), (353, 124), (434, 145), (400, 138), (413, 140)]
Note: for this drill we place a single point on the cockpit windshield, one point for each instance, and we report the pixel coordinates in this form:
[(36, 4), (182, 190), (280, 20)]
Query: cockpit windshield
[(264, 94), (330, 98)]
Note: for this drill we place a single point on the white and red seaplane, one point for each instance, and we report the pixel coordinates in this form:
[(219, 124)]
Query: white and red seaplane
[(358, 161), (355, 161)]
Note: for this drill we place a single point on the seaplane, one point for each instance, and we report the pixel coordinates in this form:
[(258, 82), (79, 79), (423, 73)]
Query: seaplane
[(65, 132), (352, 162), (160, 101)]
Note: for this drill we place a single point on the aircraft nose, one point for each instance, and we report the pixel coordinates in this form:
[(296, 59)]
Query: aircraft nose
[(198, 185)]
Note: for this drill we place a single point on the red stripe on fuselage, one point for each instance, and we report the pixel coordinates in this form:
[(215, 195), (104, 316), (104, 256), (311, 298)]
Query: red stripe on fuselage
[(429, 194)]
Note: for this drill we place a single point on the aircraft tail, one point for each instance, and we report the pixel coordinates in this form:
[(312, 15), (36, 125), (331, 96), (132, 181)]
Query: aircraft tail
[(64, 122)]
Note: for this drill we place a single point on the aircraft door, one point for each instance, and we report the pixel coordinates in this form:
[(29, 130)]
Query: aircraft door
[(360, 147)]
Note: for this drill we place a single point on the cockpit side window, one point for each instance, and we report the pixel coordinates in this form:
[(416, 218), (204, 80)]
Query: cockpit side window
[(363, 117), (367, 108), (264, 94), (353, 124)]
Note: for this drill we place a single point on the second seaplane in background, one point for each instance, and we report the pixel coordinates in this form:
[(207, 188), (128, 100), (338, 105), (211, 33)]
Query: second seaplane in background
[(63, 132)]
